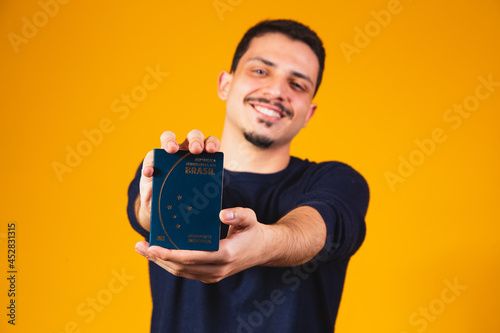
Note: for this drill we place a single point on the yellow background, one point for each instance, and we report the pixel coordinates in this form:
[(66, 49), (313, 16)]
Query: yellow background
[(439, 226)]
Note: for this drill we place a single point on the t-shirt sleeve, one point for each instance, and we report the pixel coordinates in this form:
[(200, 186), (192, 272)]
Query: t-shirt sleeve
[(133, 192), (341, 195)]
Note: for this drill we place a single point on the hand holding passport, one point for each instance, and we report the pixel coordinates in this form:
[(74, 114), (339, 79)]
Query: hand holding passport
[(180, 204), (197, 198)]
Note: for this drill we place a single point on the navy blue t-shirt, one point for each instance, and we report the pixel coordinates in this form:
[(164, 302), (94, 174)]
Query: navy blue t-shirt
[(270, 299)]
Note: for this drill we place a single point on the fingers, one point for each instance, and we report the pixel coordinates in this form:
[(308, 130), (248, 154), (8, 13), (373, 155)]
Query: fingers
[(146, 182), (212, 144), (198, 265), (142, 248), (185, 257), (169, 142), (147, 165), (195, 142)]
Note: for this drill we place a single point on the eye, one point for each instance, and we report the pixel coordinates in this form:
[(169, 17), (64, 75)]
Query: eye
[(297, 86), (259, 71)]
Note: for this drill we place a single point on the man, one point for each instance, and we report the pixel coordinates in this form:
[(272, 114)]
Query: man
[(289, 226)]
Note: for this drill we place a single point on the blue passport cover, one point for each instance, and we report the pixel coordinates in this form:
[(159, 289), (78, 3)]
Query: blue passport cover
[(186, 201)]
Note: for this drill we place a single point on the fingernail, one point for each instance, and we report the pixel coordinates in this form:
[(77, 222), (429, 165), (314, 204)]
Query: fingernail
[(196, 145), (141, 251), (170, 144), (228, 215), (209, 146), (152, 255)]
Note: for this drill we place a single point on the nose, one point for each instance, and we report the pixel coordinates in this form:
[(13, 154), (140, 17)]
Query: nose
[(275, 88)]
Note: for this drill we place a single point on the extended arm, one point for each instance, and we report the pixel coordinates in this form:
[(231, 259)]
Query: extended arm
[(296, 238), (293, 240)]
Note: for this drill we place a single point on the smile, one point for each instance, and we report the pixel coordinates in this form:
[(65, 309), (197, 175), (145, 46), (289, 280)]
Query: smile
[(268, 112)]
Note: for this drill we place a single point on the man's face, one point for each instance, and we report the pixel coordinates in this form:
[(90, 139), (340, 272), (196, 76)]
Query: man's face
[(270, 93)]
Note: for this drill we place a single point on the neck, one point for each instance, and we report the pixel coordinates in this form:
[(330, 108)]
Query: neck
[(241, 155)]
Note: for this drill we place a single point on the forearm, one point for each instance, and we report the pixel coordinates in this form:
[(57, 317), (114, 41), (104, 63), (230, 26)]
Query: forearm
[(296, 238)]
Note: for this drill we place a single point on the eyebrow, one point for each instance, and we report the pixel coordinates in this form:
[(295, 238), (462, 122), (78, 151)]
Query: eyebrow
[(272, 64)]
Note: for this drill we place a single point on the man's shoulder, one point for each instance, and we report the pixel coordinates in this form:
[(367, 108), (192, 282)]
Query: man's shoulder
[(324, 166), (327, 171)]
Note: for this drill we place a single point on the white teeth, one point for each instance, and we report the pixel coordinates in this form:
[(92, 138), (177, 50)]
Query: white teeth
[(267, 112)]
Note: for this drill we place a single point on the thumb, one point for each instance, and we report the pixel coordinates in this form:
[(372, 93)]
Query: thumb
[(146, 182), (238, 217)]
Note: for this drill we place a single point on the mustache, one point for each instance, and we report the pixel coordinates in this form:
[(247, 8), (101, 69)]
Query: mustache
[(283, 109)]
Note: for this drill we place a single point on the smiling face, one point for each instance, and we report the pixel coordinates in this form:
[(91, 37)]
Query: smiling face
[(269, 96)]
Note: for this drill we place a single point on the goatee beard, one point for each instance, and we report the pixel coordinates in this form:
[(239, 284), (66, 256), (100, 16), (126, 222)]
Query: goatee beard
[(258, 141)]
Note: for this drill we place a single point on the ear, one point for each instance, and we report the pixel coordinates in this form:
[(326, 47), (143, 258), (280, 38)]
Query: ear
[(312, 110), (223, 84)]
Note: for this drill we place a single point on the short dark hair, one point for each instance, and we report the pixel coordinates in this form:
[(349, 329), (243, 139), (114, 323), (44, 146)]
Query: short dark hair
[(293, 30)]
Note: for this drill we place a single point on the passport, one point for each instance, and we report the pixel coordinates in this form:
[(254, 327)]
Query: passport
[(186, 200)]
